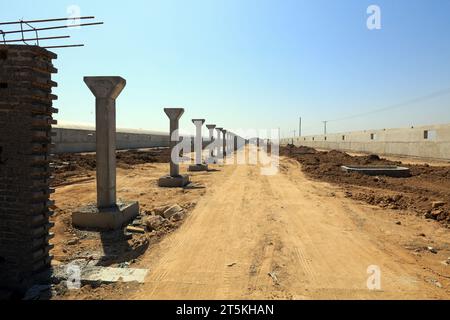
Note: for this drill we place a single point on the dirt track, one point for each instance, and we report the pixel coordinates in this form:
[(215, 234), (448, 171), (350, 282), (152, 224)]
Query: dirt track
[(249, 236), (287, 237)]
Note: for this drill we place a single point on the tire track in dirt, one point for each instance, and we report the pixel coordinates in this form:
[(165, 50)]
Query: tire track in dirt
[(248, 226)]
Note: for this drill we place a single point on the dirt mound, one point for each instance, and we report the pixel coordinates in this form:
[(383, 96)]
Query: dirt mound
[(293, 150), (416, 193), (69, 165), (134, 157)]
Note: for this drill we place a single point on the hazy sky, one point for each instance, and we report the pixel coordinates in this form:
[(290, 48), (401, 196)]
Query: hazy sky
[(255, 64)]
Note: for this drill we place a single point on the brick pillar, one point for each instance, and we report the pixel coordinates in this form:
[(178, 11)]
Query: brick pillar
[(25, 141)]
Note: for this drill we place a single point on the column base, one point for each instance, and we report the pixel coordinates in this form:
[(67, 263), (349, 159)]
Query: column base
[(105, 218), (198, 167), (173, 182)]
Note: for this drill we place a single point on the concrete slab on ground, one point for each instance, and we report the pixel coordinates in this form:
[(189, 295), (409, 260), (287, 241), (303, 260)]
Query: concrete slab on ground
[(105, 218), (390, 171), (198, 167), (174, 182), (97, 274)]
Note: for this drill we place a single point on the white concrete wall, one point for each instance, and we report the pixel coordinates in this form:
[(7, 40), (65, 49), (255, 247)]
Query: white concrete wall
[(402, 142), (82, 139)]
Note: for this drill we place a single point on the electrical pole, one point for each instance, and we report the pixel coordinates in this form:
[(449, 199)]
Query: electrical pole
[(300, 127), (325, 127)]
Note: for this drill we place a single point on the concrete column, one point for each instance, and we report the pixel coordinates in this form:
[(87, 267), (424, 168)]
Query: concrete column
[(108, 214), (174, 179), (232, 145), (199, 166), (198, 140), (224, 149), (211, 128), (106, 90), (219, 142), (174, 115)]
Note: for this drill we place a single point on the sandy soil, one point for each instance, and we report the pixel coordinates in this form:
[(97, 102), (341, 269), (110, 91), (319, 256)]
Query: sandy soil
[(425, 193), (250, 236), (136, 182)]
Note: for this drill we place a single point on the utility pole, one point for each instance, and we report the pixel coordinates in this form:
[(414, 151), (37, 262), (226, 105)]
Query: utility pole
[(325, 127), (300, 127)]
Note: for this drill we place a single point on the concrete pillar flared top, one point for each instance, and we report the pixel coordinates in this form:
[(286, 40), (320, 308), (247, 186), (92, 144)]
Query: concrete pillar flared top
[(198, 140), (219, 137), (211, 128), (219, 133), (106, 90), (105, 87), (174, 115)]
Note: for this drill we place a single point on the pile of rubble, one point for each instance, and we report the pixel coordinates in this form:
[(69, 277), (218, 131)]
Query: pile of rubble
[(155, 220)]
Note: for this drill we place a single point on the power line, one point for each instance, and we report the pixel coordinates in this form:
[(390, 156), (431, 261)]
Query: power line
[(403, 104)]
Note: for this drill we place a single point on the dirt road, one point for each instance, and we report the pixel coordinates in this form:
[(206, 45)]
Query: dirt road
[(286, 237)]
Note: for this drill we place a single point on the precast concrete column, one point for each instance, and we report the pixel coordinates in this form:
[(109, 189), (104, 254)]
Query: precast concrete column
[(174, 115), (224, 149), (231, 147), (219, 142), (198, 140), (211, 128), (106, 90)]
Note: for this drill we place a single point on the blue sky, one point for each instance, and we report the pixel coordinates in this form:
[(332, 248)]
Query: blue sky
[(255, 64)]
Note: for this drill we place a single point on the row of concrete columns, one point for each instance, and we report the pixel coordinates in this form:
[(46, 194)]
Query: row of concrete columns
[(174, 179), (109, 214)]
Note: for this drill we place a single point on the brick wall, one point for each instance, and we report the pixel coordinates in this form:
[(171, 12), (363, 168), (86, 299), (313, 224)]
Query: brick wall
[(25, 141)]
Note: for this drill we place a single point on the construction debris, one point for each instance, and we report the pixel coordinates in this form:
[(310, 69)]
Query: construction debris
[(153, 222), (171, 211), (135, 230), (102, 275)]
